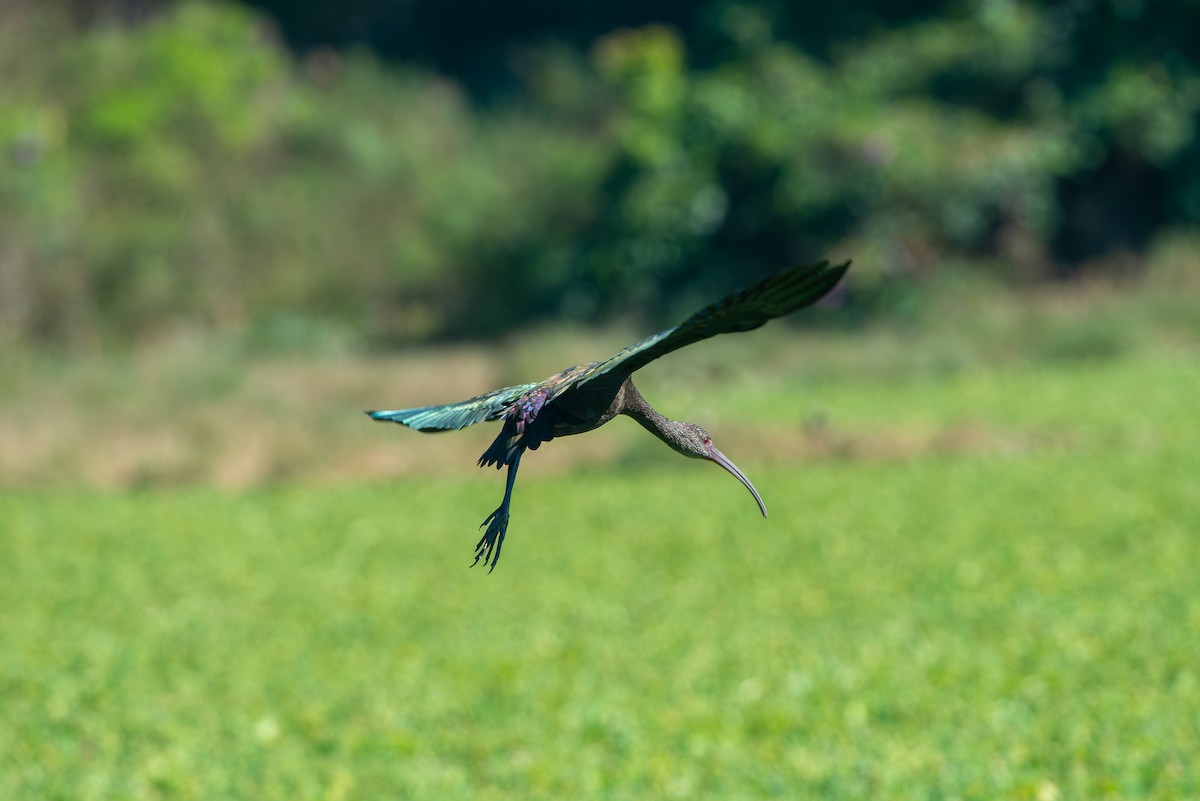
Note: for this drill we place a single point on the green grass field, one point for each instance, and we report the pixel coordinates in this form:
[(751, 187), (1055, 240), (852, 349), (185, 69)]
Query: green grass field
[(974, 584)]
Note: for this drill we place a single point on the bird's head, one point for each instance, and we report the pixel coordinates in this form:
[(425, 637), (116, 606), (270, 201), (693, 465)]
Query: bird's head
[(694, 441)]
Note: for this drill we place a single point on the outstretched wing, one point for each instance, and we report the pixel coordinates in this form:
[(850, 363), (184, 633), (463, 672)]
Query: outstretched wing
[(782, 293), (453, 416), (746, 309)]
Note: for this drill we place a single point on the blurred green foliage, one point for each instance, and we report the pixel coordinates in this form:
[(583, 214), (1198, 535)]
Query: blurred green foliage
[(1009, 614), (185, 170)]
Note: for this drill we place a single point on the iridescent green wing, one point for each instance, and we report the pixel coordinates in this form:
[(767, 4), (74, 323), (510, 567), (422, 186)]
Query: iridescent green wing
[(782, 293), (453, 416)]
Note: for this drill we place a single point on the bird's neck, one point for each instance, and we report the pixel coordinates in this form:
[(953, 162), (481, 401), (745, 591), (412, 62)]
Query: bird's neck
[(637, 407)]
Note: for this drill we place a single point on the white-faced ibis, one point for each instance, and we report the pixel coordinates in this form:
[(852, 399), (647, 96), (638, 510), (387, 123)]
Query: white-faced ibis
[(588, 395)]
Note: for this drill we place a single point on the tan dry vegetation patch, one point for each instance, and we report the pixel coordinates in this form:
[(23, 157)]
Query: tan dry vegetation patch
[(266, 421), (162, 420), (775, 445)]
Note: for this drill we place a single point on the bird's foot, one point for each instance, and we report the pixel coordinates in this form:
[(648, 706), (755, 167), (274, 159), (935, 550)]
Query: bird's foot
[(488, 547)]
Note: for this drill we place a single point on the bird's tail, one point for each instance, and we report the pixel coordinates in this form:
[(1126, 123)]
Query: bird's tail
[(505, 449)]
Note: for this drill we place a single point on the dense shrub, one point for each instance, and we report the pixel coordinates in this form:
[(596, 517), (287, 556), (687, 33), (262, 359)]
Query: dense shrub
[(185, 169)]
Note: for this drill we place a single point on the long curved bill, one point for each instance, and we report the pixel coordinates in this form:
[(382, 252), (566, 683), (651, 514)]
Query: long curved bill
[(723, 460)]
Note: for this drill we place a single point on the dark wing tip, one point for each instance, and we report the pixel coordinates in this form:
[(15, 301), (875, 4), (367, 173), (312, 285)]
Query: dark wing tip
[(832, 274), (826, 271), (838, 269), (820, 279)]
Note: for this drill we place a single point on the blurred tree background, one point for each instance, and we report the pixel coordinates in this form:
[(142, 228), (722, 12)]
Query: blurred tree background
[(394, 171)]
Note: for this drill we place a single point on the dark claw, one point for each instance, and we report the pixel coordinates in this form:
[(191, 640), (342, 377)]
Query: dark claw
[(489, 545)]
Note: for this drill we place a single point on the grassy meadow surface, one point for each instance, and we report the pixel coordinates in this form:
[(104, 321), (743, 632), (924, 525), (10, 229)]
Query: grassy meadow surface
[(975, 582)]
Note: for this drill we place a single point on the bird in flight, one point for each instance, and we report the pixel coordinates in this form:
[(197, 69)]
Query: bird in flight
[(590, 394)]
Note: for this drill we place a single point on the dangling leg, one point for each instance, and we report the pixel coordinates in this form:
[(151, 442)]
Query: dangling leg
[(488, 548)]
